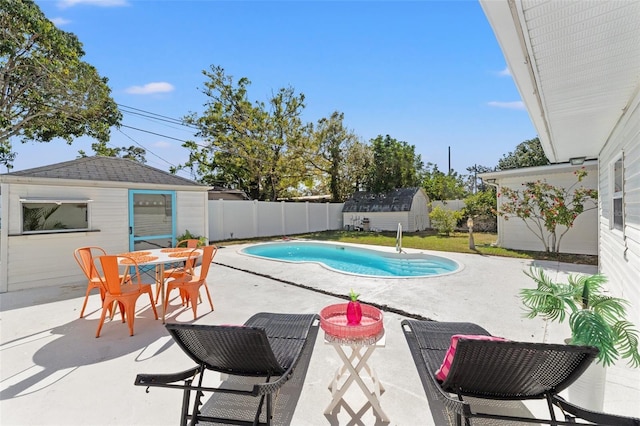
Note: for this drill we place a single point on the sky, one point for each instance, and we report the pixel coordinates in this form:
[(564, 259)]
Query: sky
[(429, 73)]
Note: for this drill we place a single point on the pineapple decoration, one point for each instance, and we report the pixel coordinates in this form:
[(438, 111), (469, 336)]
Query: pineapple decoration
[(354, 310)]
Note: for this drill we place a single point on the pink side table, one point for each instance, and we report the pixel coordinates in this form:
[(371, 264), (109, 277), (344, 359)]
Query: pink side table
[(362, 339)]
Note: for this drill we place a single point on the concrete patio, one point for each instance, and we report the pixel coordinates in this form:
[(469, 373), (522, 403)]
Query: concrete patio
[(54, 371)]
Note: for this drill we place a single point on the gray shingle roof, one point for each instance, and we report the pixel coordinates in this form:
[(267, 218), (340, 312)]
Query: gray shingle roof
[(396, 200), (105, 169)]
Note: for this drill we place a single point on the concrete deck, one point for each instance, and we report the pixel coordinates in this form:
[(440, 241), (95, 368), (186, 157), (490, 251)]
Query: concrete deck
[(54, 371)]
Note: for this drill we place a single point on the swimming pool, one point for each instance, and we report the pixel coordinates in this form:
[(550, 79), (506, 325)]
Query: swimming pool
[(355, 260)]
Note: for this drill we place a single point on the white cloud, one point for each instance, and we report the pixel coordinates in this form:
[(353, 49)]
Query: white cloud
[(59, 22), (150, 88), (162, 144), (507, 105), (505, 72), (63, 4)]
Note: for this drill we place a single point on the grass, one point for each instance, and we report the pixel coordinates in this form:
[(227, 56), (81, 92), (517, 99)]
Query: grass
[(430, 240)]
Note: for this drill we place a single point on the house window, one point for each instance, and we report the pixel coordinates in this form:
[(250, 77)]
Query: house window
[(47, 216), (618, 195)]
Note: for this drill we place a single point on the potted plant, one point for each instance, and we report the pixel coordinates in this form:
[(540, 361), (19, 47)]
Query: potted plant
[(189, 236), (595, 318)]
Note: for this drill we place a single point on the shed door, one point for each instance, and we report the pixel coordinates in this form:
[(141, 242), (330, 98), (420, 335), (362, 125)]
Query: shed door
[(152, 221)]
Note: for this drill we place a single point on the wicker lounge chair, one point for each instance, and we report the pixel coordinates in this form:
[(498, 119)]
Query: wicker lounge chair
[(496, 372), (265, 360)]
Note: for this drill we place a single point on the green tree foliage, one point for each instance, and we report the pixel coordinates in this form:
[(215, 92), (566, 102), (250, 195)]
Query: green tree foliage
[(395, 165), (481, 203), (46, 90), (254, 147), (132, 152), (544, 207), (441, 186), (444, 221), (527, 154), (338, 156)]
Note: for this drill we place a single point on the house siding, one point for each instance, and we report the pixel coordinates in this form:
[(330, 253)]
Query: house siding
[(620, 251), (189, 203), (53, 253), (581, 239)]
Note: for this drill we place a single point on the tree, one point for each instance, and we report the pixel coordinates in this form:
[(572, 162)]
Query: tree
[(476, 184), (395, 165), (332, 154), (527, 154), (133, 152), (542, 206), (441, 186), (249, 146), (444, 221), (46, 90)]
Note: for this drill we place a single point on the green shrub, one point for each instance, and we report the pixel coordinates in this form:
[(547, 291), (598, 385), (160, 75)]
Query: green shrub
[(444, 221)]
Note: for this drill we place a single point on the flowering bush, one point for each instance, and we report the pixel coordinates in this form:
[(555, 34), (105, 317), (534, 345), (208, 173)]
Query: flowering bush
[(544, 207)]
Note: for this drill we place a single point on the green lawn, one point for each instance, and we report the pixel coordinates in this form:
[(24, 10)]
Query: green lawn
[(429, 240)]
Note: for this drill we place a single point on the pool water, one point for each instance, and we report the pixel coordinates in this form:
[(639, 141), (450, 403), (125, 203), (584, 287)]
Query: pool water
[(355, 260)]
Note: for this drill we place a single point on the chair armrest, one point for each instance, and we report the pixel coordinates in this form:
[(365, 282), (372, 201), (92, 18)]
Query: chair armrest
[(594, 416), (165, 379)]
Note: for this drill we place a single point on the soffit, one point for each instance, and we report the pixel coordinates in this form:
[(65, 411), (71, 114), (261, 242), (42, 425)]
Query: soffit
[(576, 64)]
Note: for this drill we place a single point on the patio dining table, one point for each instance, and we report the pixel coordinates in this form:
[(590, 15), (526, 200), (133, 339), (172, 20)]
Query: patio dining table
[(158, 258)]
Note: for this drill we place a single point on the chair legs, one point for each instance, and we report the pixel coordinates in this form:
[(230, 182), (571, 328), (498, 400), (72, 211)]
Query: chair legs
[(127, 306), (189, 293)]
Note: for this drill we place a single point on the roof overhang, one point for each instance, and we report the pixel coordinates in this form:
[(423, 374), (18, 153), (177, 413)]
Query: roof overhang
[(576, 65), (590, 165)]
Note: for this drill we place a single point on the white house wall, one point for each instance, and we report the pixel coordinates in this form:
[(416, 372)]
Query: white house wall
[(581, 239), (190, 213), (41, 260), (620, 251)]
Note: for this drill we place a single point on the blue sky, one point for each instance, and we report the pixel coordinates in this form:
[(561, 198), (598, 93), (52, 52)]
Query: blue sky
[(426, 72)]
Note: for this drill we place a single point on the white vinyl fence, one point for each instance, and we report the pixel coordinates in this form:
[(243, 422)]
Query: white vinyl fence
[(233, 219)]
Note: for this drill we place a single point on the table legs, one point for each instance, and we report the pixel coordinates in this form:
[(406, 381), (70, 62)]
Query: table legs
[(353, 365)]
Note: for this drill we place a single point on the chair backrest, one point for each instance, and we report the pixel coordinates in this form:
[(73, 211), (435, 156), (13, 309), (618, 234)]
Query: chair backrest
[(113, 278), (515, 370), (207, 256), (238, 350), (190, 243), (85, 258)]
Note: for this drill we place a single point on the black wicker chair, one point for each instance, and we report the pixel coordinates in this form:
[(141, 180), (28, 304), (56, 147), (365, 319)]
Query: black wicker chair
[(260, 358), (499, 371)]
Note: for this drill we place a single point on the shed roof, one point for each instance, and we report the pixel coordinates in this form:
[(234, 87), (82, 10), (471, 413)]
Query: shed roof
[(108, 169), (396, 200)]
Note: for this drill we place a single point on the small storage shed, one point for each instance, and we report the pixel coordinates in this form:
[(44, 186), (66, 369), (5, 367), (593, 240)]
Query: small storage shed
[(383, 212), (115, 203)]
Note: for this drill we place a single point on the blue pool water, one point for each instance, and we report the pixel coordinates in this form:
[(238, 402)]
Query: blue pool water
[(355, 260)]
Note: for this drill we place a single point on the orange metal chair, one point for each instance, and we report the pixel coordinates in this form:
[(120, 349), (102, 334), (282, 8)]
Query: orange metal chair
[(122, 289), (85, 258), (180, 271), (189, 285)]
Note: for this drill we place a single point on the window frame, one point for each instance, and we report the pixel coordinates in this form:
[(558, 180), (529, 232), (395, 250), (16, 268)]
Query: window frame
[(617, 196), (58, 201)]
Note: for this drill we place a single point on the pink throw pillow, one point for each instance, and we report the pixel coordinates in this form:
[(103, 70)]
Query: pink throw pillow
[(443, 371)]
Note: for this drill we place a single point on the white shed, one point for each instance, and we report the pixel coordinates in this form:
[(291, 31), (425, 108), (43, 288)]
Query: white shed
[(514, 233), (383, 212), (117, 204)]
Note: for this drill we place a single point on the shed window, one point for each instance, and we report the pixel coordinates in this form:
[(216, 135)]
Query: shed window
[(618, 195), (47, 216)]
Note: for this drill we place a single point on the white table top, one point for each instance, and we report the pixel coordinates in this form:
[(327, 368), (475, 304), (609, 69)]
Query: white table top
[(162, 257)]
